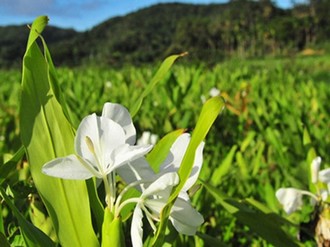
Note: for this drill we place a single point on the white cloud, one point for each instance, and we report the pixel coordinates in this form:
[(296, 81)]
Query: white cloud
[(51, 7), (26, 7)]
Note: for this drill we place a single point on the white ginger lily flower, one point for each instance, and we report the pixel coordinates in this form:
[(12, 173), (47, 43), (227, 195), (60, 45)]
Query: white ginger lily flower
[(102, 144), (151, 202), (173, 161), (291, 198), (183, 216), (121, 115)]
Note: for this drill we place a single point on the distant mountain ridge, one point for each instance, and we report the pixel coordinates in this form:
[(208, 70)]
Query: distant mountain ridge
[(208, 32)]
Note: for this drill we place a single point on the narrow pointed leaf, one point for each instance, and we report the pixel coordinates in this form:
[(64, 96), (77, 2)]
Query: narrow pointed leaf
[(209, 113), (47, 134), (224, 167), (32, 235), (37, 27), (10, 165), (160, 74), (96, 205)]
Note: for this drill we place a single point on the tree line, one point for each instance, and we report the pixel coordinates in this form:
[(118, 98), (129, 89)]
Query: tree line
[(210, 33)]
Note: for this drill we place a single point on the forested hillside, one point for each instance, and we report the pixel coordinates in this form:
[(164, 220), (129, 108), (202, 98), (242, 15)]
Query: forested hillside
[(209, 33)]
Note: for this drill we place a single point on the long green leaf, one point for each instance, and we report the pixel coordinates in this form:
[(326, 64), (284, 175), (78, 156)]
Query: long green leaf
[(46, 134), (224, 167), (10, 165), (209, 113), (160, 74), (37, 27), (32, 235)]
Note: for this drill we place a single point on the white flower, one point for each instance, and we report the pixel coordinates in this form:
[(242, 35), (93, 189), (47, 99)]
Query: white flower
[(173, 161), (120, 115), (315, 168), (147, 138), (324, 175), (183, 216), (101, 146), (291, 198), (151, 202), (214, 92)]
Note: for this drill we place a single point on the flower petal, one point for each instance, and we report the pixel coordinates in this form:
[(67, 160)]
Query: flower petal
[(68, 167), (324, 175), (126, 153), (290, 198), (174, 159), (96, 138), (136, 227), (156, 205), (185, 218), (315, 168), (120, 115), (138, 169), (163, 184)]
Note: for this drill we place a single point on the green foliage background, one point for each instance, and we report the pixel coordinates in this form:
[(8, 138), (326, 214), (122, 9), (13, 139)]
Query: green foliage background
[(257, 145), (276, 118)]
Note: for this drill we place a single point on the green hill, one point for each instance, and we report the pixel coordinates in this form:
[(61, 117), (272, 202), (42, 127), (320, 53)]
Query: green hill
[(209, 33)]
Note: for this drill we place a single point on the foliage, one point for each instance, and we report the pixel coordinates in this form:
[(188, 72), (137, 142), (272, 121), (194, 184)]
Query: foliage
[(257, 145)]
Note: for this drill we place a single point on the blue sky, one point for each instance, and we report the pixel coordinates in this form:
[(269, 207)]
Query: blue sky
[(83, 14)]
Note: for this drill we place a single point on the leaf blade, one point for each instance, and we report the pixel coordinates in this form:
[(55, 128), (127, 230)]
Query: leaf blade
[(46, 134)]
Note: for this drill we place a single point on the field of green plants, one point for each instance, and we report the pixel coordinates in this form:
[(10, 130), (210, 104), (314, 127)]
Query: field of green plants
[(276, 121)]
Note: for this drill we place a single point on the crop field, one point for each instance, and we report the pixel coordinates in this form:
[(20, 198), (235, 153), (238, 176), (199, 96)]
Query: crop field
[(275, 122)]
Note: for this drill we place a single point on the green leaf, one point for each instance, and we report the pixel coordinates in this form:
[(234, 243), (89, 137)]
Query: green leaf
[(242, 165), (39, 217), (224, 167), (32, 235), (256, 216), (37, 27), (306, 137), (209, 113), (162, 148), (96, 205), (47, 134), (160, 74), (54, 82), (10, 165), (2, 227)]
